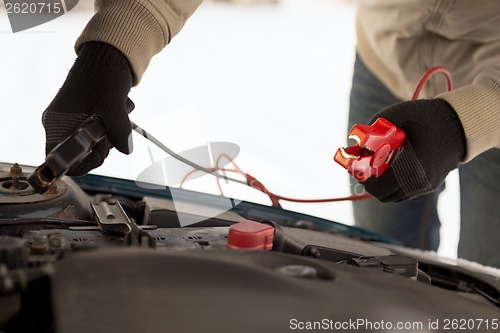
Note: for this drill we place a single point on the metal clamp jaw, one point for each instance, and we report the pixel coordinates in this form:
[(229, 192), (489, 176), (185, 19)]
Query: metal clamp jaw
[(67, 154), (375, 149)]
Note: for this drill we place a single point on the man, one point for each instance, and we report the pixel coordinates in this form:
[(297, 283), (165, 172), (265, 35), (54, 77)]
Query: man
[(397, 42), (122, 37)]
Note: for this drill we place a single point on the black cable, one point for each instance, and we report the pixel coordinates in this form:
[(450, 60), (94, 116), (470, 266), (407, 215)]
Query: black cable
[(178, 157), (485, 295)]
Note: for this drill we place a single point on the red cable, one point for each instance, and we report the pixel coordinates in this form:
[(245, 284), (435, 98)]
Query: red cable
[(275, 198), (428, 74)]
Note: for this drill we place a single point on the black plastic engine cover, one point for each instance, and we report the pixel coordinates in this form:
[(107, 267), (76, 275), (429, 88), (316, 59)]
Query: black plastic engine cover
[(138, 290)]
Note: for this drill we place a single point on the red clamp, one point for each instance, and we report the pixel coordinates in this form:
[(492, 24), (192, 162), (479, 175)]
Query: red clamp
[(376, 147)]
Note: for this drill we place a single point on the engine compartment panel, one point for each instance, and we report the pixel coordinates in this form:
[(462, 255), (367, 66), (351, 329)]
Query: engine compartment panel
[(104, 248)]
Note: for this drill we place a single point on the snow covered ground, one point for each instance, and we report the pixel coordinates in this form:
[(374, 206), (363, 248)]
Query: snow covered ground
[(273, 79)]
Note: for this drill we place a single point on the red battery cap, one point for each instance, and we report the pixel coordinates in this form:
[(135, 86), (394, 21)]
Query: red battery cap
[(250, 235)]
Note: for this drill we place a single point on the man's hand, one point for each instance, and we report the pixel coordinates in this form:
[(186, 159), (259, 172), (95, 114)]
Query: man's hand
[(435, 145), (97, 84)]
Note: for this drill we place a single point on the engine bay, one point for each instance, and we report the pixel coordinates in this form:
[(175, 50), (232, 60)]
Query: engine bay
[(99, 254)]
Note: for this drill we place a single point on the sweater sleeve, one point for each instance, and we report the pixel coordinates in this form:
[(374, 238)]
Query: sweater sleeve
[(138, 28), (478, 107)]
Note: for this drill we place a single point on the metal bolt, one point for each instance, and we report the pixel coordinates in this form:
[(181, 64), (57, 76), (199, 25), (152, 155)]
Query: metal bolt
[(15, 172)]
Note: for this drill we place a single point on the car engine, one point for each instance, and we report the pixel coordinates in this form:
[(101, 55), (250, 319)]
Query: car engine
[(100, 254)]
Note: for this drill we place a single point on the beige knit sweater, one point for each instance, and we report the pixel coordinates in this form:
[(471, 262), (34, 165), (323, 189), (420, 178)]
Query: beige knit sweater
[(138, 28)]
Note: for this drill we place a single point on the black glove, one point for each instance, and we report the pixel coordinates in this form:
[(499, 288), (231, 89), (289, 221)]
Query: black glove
[(97, 84), (435, 145)]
